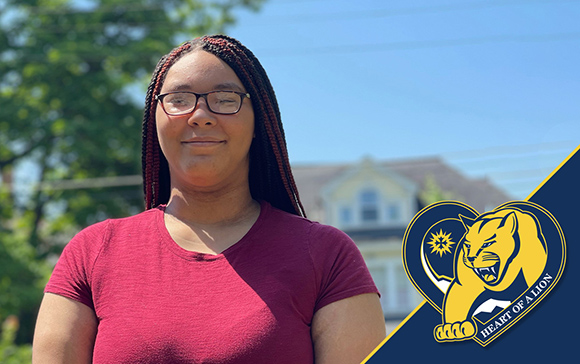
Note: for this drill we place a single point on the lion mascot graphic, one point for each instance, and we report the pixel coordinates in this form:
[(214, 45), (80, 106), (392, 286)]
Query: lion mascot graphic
[(500, 250)]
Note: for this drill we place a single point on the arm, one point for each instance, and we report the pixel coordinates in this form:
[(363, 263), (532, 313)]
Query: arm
[(346, 331), (65, 332)]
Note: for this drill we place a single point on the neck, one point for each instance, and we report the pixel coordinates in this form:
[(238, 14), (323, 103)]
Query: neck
[(210, 222), (206, 207)]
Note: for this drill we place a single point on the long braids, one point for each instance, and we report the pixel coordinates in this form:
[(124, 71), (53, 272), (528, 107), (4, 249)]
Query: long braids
[(270, 175), (156, 182)]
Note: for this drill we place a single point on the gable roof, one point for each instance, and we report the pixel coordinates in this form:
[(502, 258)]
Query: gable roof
[(365, 166), (478, 193)]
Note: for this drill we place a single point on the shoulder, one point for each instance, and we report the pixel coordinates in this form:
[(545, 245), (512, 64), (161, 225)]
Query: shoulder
[(283, 218), (337, 266), (91, 239), (320, 238)]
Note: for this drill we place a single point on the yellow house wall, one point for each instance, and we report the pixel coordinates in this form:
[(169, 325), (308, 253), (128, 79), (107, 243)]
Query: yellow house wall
[(347, 194)]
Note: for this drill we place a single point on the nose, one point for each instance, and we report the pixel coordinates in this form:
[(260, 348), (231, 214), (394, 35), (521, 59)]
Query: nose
[(201, 116)]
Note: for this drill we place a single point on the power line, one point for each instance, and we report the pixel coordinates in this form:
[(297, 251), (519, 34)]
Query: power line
[(531, 174), (521, 175), (105, 8), (509, 149), (351, 15), (87, 183), (383, 13), (290, 19), (353, 48), (420, 44), (492, 160), (508, 167), (513, 163)]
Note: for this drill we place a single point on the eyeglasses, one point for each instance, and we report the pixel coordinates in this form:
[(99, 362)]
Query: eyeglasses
[(218, 102)]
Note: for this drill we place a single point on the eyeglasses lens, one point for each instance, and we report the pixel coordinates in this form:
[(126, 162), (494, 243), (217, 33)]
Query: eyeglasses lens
[(224, 102), (220, 102)]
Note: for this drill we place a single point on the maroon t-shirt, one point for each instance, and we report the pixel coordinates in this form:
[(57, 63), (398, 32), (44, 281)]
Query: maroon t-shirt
[(159, 303)]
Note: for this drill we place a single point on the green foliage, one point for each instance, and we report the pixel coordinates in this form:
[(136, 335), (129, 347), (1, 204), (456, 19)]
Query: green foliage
[(72, 77), (22, 277), (10, 353), (68, 98), (431, 192)]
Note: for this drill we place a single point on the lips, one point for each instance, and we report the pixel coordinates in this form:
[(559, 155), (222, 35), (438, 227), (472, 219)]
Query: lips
[(203, 142), (209, 142)]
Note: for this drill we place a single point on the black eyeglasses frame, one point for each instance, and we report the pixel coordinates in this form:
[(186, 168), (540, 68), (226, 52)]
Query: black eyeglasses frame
[(204, 96)]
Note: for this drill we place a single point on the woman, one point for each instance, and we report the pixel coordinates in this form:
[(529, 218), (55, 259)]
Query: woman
[(222, 267)]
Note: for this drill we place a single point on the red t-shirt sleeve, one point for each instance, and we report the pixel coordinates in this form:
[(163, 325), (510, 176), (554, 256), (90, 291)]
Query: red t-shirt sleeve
[(71, 276), (339, 266)]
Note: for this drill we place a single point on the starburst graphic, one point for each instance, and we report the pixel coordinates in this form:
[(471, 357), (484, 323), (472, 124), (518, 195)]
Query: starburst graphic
[(441, 243)]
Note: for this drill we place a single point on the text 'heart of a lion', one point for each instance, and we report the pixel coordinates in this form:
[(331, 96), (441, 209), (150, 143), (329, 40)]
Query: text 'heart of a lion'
[(483, 272)]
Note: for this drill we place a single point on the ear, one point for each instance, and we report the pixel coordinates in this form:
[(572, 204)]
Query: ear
[(466, 221), (509, 222)]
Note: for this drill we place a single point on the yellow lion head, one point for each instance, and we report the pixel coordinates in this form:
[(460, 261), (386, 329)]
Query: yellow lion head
[(493, 240)]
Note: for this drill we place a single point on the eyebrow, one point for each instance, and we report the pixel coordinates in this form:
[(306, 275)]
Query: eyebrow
[(230, 86)]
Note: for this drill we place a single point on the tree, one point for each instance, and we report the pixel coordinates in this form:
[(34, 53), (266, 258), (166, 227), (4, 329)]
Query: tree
[(431, 192), (9, 352), (69, 73)]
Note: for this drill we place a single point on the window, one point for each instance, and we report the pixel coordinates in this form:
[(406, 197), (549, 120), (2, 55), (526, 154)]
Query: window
[(403, 291), (345, 216), (394, 212), (378, 271), (369, 206), (398, 296)]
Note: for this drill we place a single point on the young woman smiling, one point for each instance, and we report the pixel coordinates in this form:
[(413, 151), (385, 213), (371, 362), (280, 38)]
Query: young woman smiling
[(223, 266)]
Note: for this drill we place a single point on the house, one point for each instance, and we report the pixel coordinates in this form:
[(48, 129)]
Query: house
[(373, 202)]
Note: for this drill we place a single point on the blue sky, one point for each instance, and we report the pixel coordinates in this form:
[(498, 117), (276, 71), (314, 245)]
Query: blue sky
[(491, 86)]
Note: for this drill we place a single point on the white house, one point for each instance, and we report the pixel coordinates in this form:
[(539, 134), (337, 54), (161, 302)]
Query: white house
[(373, 202)]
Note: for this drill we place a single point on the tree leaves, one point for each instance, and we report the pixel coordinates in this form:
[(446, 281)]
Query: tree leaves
[(71, 91)]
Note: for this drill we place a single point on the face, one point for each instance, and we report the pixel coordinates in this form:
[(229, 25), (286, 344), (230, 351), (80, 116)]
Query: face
[(204, 149)]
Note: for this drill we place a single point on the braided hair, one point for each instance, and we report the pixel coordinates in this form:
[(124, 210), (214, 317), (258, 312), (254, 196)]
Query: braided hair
[(270, 176)]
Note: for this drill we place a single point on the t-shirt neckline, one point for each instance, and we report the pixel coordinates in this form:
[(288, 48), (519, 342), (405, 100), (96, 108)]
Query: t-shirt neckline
[(168, 242)]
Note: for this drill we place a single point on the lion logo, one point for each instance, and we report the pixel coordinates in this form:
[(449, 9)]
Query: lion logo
[(482, 272), (498, 248)]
